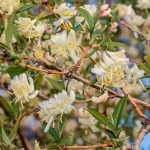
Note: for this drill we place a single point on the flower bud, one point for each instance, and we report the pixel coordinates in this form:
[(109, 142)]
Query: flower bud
[(81, 113), (94, 99), (46, 37), (113, 28), (48, 59), (5, 78), (86, 114), (104, 11), (101, 99)]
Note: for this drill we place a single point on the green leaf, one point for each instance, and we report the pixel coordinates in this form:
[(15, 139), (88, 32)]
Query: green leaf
[(2, 28), (48, 17), (55, 143), (119, 111), (119, 133), (147, 76), (61, 124), (78, 27), (38, 82), (56, 84), (85, 14), (71, 141), (90, 54), (110, 134), (87, 140), (138, 41), (92, 82), (114, 44), (145, 68), (3, 135), (73, 21), (30, 62), (111, 117), (15, 128), (65, 140), (101, 119), (16, 109), (17, 37), (96, 17), (9, 30), (80, 97), (14, 71), (148, 59), (52, 131), (3, 45), (25, 7), (115, 19), (110, 48), (7, 105)]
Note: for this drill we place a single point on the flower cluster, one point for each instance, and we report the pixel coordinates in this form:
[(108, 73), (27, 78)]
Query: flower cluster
[(8, 6), (27, 27), (61, 103), (61, 45), (65, 13), (109, 71), (22, 89)]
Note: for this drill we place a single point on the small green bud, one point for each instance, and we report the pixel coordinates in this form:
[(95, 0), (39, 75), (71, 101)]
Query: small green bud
[(12, 54), (16, 62), (46, 36), (21, 56), (3, 65)]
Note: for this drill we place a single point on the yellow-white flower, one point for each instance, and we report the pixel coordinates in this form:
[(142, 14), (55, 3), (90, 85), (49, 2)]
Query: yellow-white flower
[(65, 13), (8, 6), (89, 122), (38, 52), (143, 4), (27, 27), (22, 89), (3, 39), (36, 147), (76, 86), (110, 71), (61, 103), (61, 45), (133, 74)]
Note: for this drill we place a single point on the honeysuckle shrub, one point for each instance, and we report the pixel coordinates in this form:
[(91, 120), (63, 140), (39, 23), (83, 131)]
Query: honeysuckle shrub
[(60, 63)]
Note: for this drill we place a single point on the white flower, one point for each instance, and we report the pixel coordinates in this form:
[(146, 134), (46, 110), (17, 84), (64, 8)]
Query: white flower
[(134, 74), (110, 71), (125, 10), (8, 6), (64, 46), (61, 103), (3, 39), (27, 27), (119, 57), (143, 4), (22, 89), (88, 123), (48, 112), (65, 13), (76, 86)]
